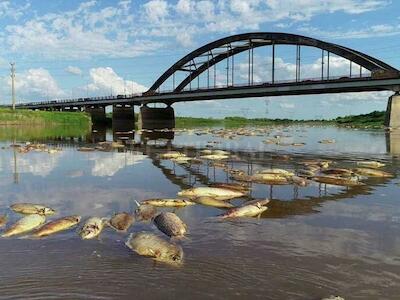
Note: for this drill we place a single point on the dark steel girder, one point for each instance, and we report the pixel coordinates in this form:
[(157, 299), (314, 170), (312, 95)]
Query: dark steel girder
[(364, 60)]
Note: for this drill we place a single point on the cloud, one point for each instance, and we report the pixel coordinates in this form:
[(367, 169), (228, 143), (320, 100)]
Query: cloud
[(129, 29), (84, 32), (35, 83), (73, 70), (378, 30), (105, 81)]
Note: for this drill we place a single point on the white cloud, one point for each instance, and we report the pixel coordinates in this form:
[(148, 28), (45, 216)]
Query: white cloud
[(129, 29), (156, 10), (36, 83), (83, 32), (73, 70), (106, 81), (379, 30)]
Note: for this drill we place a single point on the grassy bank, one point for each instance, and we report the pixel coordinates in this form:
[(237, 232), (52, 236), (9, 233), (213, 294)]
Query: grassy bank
[(372, 120), (42, 118)]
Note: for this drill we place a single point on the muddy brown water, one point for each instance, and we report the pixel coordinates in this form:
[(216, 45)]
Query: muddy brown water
[(313, 241)]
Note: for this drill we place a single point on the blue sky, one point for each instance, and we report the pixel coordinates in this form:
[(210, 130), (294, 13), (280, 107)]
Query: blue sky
[(77, 48)]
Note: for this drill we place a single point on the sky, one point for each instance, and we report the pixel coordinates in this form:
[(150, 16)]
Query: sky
[(65, 49)]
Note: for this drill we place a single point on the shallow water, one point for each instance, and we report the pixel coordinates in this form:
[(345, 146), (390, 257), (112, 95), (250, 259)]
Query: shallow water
[(312, 241)]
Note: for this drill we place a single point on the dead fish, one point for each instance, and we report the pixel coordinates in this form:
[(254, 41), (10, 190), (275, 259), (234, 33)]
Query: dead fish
[(300, 181), (145, 212), (306, 173), (149, 244), (217, 193), (257, 201), (3, 220), (171, 154), (57, 226), (371, 172), (209, 201), (167, 202), (121, 221), (29, 208), (336, 180), (85, 149), (214, 157), (232, 186), (327, 141), (170, 224), (247, 210), (370, 164), (276, 171), (337, 171), (92, 228), (181, 159), (270, 178), (24, 225)]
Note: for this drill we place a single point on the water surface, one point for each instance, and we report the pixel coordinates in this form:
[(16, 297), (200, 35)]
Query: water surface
[(312, 241)]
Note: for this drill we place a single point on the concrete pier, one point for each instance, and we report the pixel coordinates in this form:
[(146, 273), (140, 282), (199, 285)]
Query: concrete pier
[(123, 112), (392, 119), (156, 118), (98, 113)]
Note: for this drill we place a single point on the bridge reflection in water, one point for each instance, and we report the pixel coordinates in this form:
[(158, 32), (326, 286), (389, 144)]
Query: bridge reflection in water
[(286, 200)]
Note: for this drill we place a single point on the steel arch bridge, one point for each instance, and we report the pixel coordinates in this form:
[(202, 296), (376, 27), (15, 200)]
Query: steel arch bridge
[(202, 61), (226, 48)]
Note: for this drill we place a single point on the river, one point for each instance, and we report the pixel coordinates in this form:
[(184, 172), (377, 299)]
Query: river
[(312, 242)]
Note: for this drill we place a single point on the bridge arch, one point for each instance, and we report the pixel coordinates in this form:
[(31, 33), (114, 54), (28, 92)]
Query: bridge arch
[(239, 43)]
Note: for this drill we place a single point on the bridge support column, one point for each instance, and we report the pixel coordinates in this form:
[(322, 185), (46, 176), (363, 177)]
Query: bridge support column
[(156, 118), (123, 112), (392, 119), (97, 113)]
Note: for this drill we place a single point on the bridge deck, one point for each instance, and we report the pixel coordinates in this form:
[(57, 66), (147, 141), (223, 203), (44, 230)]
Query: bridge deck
[(305, 87)]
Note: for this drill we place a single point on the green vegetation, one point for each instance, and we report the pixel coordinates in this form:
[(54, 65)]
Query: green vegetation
[(23, 133), (371, 120), (375, 119), (28, 124), (42, 118)]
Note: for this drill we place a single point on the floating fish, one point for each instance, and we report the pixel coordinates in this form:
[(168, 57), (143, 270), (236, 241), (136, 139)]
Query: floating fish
[(276, 171), (29, 208), (92, 228), (370, 164), (300, 181), (170, 224), (145, 212), (327, 141), (24, 225), (149, 244), (215, 157), (85, 149), (57, 226), (336, 180), (337, 171), (248, 210), (167, 202), (217, 193), (372, 172), (171, 154), (209, 201), (121, 221), (3, 220)]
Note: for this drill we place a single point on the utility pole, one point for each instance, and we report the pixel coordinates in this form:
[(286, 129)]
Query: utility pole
[(13, 84)]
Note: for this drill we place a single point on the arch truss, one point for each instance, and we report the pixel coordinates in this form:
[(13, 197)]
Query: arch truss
[(204, 59)]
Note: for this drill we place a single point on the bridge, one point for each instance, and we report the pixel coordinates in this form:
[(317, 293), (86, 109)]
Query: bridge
[(195, 78)]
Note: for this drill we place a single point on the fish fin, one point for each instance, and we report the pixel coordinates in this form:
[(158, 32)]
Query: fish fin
[(137, 203)]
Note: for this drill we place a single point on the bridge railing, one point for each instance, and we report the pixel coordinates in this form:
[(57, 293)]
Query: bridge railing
[(253, 84)]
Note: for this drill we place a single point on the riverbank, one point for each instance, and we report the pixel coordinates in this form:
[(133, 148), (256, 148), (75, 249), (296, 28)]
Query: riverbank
[(42, 118), (374, 120)]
